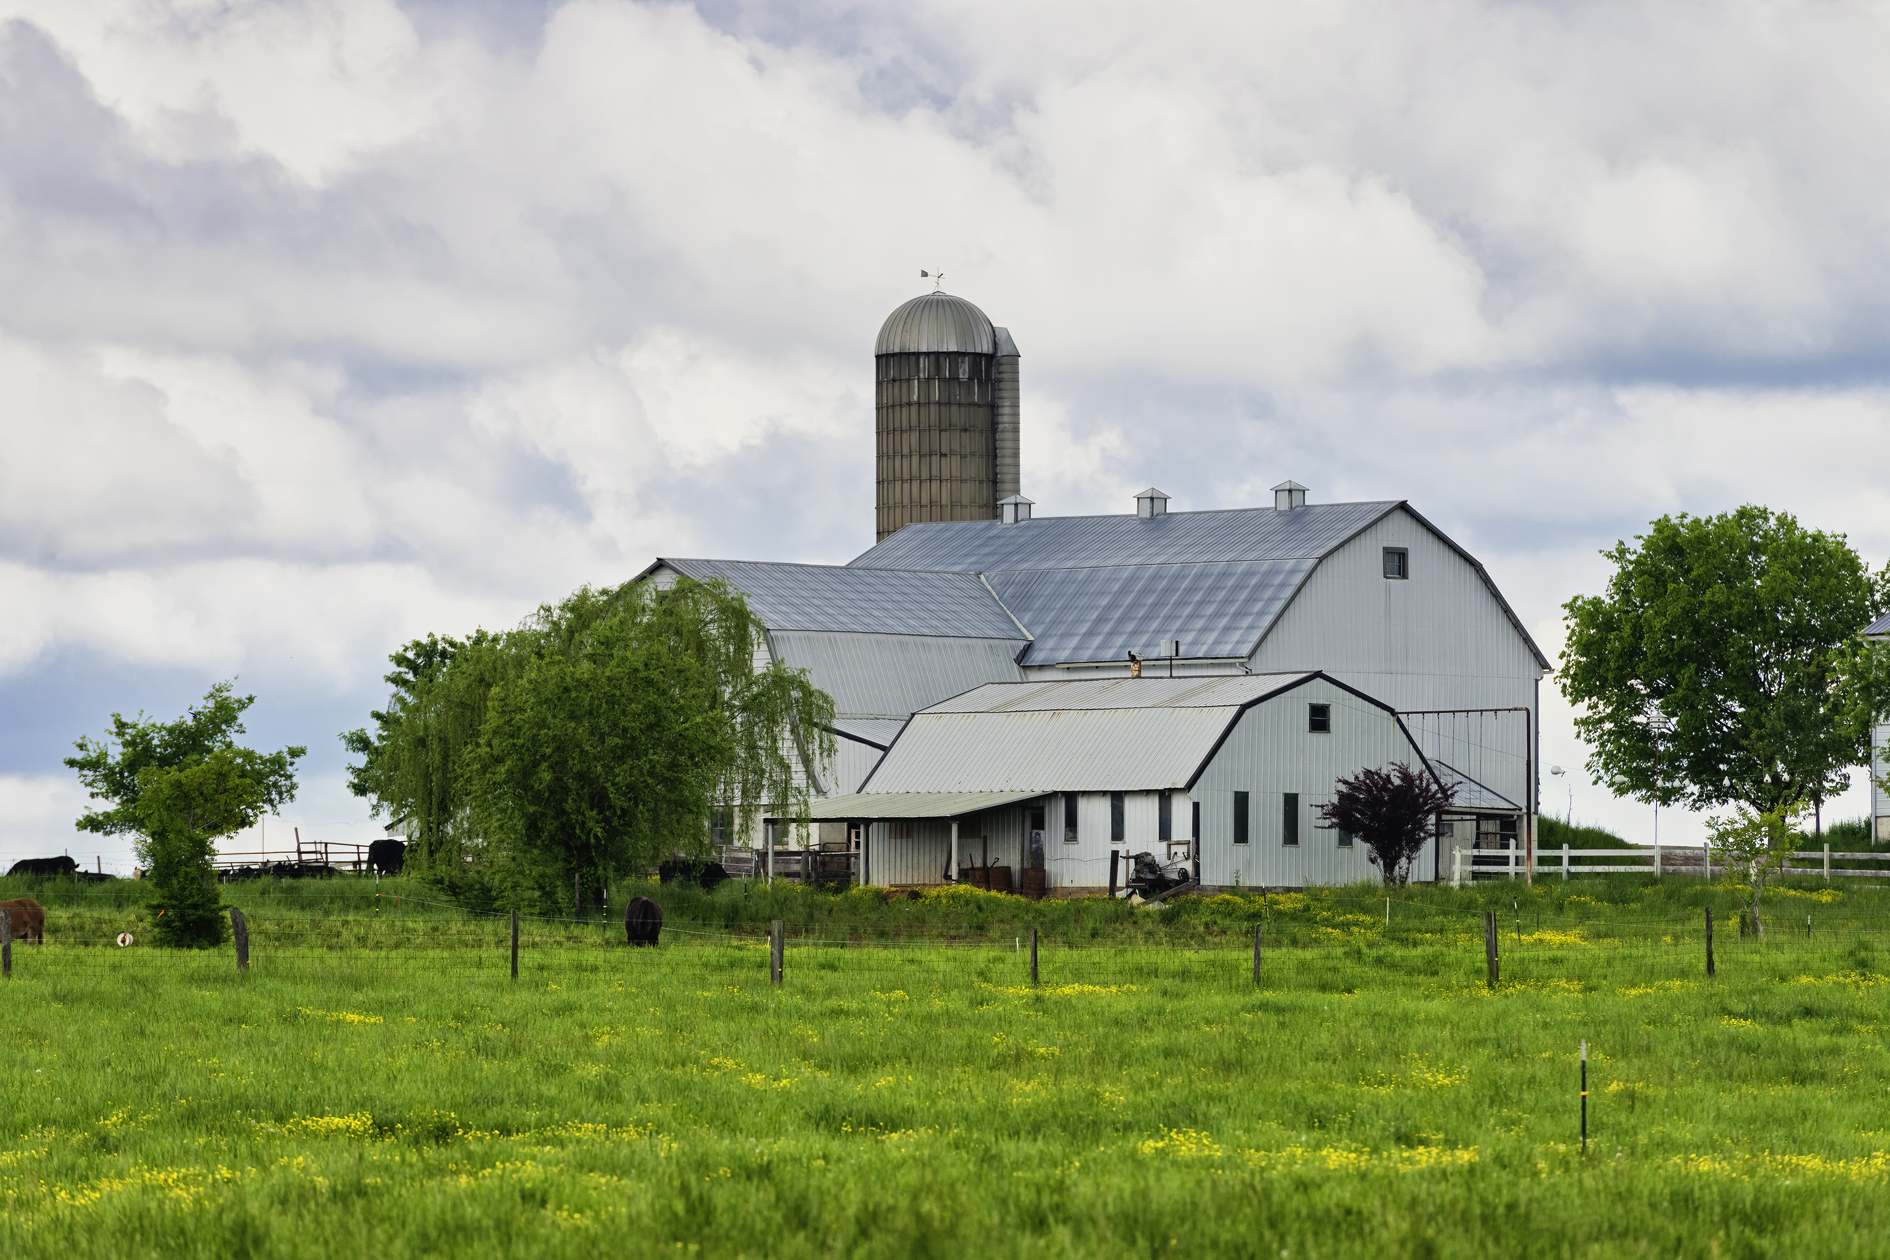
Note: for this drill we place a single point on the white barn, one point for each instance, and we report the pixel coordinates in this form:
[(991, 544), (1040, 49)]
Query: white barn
[(1368, 601), (1225, 771)]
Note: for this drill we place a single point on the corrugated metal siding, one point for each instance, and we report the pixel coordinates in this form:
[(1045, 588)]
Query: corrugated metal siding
[(1121, 749), (918, 860), (882, 601), (1270, 752), (1441, 622), (1061, 542), (935, 322), (889, 676), (1102, 614), (852, 763)]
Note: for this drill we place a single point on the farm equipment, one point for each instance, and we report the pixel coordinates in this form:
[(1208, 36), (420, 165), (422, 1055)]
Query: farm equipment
[(1153, 878)]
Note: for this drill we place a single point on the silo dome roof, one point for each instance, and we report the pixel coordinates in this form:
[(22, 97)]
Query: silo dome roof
[(936, 323)]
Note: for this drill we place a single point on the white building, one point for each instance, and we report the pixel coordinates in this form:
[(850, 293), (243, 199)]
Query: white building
[(1367, 604)]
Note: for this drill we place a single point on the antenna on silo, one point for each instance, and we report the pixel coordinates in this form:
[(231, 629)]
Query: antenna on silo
[(938, 280)]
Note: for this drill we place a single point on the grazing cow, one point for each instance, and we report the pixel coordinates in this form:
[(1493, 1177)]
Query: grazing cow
[(387, 857), (642, 920), (707, 874), (29, 919), (45, 866)]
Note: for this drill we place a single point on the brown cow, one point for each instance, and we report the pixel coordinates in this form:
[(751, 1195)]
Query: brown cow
[(29, 920)]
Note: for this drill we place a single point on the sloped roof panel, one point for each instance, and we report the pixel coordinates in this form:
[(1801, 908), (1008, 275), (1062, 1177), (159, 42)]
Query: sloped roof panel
[(1062, 750), (873, 805), (1101, 614), (1061, 542), (1880, 626), (1087, 694), (891, 676), (880, 601), (879, 732)]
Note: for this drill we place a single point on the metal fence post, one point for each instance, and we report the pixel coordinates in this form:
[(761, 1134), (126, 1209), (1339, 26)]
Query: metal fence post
[(1033, 955), (1489, 944), (1709, 942), (239, 928), (1256, 953), (514, 944), (777, 946)]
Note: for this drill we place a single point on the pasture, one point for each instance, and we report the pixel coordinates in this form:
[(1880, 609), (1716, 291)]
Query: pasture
[(378, 1084)]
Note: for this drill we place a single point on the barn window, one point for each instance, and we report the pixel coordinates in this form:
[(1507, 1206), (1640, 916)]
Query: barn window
[(1165, 816), (1397, 562), (1319, 719), (1115, 817), (1240, 818), (1345, 837), (1069, 819), (1289, 819)]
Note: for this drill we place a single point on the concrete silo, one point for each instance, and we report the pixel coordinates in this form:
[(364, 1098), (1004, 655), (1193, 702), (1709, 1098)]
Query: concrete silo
[(946, 414)]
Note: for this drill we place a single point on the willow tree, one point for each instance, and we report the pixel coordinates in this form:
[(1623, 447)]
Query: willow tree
[(600, 736)]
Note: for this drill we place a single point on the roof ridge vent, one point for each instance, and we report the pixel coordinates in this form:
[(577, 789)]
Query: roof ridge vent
[(1288, 495), (1151, 503), (1015, 508)]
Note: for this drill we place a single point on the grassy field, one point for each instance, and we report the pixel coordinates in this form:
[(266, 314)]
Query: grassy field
[(379, 1085)]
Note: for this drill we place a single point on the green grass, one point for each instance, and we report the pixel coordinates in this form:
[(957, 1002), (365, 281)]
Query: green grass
[(379, 1085)]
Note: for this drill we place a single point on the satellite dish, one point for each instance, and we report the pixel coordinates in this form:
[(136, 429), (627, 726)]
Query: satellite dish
[(124, 938)]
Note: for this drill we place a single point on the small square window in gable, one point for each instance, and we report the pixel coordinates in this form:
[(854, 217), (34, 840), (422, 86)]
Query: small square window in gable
[(1397, 563), (1319, 719)]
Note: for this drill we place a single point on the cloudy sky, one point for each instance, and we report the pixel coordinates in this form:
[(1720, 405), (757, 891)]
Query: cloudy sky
[(328, 323)]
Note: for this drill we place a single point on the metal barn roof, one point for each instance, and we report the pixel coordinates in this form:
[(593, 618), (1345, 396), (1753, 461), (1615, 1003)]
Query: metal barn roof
[(1068, 542), (878, 601), (1090, 694), (1121, 734), (1880, 626), (936, 322), (1217, 611), (874, 805), (892, 675)]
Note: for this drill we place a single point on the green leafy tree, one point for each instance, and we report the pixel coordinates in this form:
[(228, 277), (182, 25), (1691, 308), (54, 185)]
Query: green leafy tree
[(1711, 671), (598, 737), (176, 787), (1393, 812)]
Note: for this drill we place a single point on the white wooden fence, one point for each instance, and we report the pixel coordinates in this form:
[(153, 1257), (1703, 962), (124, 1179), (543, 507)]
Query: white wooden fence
[(1473, 864)]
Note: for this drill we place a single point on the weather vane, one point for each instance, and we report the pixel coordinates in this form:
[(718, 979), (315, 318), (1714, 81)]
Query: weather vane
[(938, 280)]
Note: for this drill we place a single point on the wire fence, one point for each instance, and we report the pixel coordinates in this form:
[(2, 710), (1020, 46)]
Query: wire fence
[(1413, 944)]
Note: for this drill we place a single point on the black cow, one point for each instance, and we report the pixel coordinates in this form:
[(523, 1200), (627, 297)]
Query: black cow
[(387, 857), (45, 866), (642, 921), (707, 874)]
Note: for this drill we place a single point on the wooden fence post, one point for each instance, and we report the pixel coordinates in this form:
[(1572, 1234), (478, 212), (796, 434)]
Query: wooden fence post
[(777, 946), (1565, 863), (1257, 928), (1033, 955), (6, 944), (1489, 944), (239, 928), (1827, 863), (1709, 942), (514, 944)]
